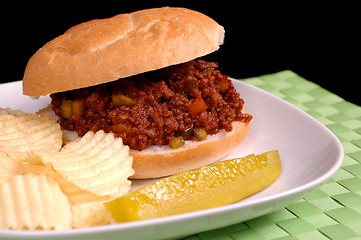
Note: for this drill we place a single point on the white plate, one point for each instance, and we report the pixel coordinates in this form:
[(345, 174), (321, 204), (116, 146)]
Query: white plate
[(310, 154)]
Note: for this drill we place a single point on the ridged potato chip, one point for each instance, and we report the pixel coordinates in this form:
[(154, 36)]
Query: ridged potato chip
[(90, 214), (9, 168), (22, 134), (98, 163), (87, 208), (80, 176), (34, 202)]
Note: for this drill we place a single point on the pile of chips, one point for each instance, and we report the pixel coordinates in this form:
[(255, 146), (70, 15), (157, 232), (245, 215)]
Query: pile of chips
[(47, 186)]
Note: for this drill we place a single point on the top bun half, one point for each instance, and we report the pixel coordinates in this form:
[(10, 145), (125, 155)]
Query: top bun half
[(101, 51)]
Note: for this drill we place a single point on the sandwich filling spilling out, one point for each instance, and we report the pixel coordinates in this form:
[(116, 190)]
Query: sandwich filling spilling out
[(166, 106)]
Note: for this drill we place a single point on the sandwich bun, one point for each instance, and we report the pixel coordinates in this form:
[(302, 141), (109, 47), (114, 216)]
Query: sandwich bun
[(104, 50)]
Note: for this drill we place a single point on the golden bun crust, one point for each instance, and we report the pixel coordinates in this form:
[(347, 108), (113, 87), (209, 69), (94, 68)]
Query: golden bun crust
[(160, 161), (105, 50)]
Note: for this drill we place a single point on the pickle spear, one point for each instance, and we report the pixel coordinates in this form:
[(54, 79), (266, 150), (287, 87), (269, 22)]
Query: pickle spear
[(206, 187)]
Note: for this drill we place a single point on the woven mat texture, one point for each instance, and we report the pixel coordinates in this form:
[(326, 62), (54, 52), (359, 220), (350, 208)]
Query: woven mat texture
[(331, 211)]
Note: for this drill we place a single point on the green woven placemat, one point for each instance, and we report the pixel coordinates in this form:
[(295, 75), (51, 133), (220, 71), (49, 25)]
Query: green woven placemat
[(333, 210)]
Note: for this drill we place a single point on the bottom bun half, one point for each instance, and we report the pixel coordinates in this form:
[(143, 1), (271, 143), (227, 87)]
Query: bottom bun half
[(160, 161)]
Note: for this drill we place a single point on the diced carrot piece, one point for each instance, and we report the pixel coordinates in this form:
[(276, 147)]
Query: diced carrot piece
[(198, 106)]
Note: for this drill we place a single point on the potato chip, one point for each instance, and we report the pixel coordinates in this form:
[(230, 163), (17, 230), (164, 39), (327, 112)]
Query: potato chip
[(8, 111), (81, 176), (34, 202), (21, 134), (9, 168), (90, 214), (98, 163)]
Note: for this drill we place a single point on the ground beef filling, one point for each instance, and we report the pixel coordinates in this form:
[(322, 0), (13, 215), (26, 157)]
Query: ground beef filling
[(152, 108)]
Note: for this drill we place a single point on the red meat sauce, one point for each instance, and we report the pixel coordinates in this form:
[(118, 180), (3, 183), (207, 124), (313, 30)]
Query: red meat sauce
[(164, 103)]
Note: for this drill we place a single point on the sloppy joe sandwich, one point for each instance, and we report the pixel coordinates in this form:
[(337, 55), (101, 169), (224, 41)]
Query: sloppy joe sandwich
[(140, 76)]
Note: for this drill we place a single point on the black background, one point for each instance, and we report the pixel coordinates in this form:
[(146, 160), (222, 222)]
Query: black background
[(318, 42)]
